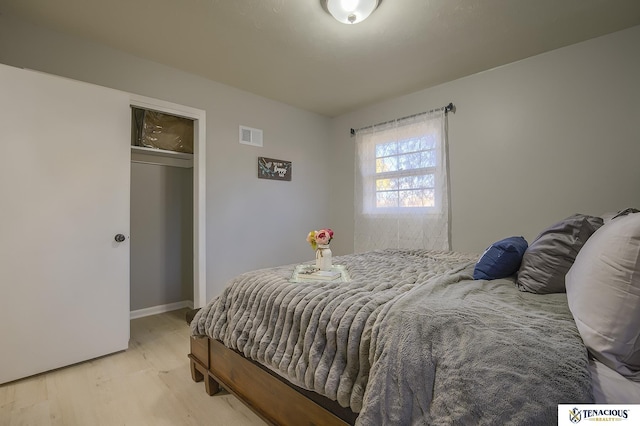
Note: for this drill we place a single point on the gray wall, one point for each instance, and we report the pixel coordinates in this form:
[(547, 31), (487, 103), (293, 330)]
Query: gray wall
[(251, 223), (161, 235), (530, 143)]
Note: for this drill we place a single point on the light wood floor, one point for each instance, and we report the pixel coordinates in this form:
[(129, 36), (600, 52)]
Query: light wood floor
[(149, 384)]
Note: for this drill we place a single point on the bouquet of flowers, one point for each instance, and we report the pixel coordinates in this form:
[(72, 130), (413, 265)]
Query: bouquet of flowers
[(321, 237)]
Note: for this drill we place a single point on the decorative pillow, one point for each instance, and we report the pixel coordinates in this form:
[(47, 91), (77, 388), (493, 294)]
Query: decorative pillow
[(603, 291), (501, 259), (551, 254), (612, 215)]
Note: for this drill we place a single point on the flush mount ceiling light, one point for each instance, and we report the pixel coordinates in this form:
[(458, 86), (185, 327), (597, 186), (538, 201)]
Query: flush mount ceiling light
[(350, 11)]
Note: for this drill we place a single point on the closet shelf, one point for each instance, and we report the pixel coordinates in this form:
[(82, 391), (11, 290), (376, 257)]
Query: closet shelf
[(140, 154)]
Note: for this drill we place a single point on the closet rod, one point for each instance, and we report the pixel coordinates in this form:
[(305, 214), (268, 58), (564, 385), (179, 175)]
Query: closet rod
[(446, 109)]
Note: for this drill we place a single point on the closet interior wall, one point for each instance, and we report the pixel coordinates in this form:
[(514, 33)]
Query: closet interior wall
[(161, 269)]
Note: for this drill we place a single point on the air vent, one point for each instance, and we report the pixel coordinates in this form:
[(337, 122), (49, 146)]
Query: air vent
[(250, 136)]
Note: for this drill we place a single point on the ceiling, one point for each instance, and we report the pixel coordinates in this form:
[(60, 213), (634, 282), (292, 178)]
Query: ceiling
[(294, 52)]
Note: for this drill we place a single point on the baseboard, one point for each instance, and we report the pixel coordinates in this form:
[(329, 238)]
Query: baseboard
[(160, 309)]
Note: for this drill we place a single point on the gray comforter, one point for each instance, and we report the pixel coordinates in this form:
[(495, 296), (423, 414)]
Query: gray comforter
[(412, 339)]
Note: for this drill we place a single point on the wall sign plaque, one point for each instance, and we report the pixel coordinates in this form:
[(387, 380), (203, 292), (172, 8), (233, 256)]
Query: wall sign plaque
[(270, 168)]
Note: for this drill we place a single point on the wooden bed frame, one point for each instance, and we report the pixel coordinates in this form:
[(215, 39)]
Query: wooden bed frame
[(271, 397)]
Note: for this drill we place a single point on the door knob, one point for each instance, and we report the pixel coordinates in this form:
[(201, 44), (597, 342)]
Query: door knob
[(120, 238)]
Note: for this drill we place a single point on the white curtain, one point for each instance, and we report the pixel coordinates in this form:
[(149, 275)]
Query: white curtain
[(401, 184)]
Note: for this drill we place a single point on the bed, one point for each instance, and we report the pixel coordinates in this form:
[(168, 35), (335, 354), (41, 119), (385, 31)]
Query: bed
[(412, 338)]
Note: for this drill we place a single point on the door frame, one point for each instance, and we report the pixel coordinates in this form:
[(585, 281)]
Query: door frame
[(199, 186)]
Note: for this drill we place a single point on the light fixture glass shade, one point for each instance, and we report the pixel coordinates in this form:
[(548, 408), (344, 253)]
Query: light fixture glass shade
[(350, 11)]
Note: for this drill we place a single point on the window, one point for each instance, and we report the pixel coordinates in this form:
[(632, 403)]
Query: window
[(401, 192), (405, 173)]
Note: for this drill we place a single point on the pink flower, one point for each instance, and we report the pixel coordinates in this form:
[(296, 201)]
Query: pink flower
[(323, 236)]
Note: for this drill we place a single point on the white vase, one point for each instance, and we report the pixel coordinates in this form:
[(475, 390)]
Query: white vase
[(323, 257)]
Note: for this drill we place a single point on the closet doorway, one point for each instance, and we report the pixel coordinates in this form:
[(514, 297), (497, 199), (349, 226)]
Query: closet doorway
[(167, 216)]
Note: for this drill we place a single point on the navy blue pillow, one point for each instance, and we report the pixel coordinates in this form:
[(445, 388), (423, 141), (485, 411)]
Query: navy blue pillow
[(501, 259)]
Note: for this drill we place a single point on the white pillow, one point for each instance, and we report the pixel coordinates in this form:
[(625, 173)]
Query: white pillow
[(603, 291)]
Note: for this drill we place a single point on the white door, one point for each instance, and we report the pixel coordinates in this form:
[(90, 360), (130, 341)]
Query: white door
[(64, 195)]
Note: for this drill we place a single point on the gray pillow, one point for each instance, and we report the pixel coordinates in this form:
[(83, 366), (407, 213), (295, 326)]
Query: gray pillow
[(549, 257), (603, 292)]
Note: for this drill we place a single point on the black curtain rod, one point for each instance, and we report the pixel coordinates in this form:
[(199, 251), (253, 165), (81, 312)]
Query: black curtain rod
[(446, 109)]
